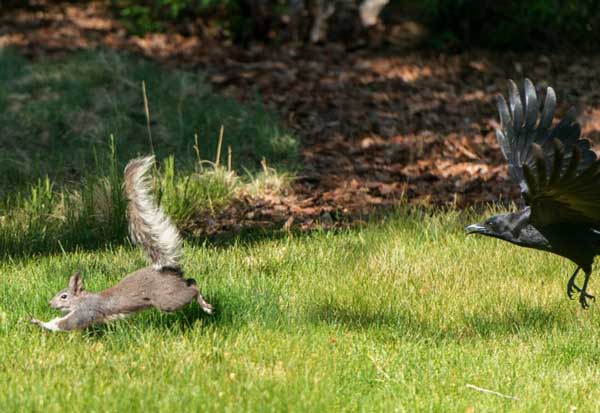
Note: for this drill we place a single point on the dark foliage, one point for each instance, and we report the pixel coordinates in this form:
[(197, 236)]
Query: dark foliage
[(455, 24), (510, 24), (514, 24)]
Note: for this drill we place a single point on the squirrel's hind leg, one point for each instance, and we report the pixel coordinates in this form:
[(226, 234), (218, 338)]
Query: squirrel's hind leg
[(205, 305), (174, 293), (177, 292)]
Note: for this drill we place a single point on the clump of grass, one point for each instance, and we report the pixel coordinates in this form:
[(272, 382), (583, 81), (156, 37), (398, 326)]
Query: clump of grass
[(267, 182), (47, 218), (212, 187), (208, 190), (50, 219)]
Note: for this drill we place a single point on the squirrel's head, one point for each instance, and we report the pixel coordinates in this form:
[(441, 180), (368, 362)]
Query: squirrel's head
[(66, 300)]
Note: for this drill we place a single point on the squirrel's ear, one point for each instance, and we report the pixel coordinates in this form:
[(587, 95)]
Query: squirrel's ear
[(75, 283)]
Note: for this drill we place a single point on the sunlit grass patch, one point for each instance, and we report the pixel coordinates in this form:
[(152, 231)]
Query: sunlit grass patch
[(394, 316)]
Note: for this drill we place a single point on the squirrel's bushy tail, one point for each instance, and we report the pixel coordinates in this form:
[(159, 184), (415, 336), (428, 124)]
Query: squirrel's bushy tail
[(149, 225)]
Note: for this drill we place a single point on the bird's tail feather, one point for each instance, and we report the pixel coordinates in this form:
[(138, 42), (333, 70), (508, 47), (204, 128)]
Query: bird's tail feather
[(149, 225)]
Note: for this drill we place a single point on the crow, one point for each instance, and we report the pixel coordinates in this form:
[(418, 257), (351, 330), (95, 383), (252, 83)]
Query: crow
[(559, 178)]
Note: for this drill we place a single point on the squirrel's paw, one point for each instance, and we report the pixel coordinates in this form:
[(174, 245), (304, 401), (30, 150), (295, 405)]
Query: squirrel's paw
[(206, 307), (35, 321)]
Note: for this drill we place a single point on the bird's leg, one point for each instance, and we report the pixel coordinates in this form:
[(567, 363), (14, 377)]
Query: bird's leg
[(571, 287), (583, 295)]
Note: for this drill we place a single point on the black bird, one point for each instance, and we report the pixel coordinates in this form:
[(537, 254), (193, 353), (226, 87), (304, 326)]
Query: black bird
[(559, 178)]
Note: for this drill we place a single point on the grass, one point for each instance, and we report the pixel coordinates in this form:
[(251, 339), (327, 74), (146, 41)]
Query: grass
[(56, 118), (395, 316), (92, 214), (68, 127)]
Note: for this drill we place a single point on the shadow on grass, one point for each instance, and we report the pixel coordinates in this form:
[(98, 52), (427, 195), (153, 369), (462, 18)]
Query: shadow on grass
[(245, 236), (233, 313), (85, 241), (524, 318), (178, 322), (17, 249)]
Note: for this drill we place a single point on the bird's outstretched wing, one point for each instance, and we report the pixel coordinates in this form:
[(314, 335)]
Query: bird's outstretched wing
[(557, 172)]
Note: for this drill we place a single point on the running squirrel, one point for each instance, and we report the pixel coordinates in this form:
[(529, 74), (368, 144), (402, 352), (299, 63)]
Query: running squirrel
[(160, 285)]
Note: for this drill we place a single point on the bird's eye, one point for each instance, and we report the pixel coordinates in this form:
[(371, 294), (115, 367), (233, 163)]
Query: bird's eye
[(63, 296)]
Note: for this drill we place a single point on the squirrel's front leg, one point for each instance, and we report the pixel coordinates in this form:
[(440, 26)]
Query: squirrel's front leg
[(56, 324)]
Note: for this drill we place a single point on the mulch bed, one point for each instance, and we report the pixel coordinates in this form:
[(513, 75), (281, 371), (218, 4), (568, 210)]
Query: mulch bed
[(376, 126)]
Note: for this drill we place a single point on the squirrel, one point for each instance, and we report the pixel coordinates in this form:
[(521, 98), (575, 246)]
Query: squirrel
[(161, 285)]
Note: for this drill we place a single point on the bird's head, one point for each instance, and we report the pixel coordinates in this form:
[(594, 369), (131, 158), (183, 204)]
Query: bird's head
[(498, 226), (515, 228), (494, 227)]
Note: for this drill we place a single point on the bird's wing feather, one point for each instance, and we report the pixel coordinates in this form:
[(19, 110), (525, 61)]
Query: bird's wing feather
[(562, 193), (557, 172), (520, 128)]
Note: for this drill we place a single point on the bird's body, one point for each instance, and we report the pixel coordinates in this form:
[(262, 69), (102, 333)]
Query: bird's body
[(559, 178), (577, 242)]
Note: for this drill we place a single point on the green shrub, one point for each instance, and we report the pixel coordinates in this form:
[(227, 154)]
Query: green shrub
[(513, 24), (151, 15)]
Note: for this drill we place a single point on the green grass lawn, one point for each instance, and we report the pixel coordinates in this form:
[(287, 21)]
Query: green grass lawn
[(396, 316)]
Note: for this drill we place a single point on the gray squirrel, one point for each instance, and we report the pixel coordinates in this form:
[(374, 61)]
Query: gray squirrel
[(160, 285)]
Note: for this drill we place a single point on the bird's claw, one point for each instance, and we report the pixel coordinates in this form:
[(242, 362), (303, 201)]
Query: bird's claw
[(583, 297), (572, 288)]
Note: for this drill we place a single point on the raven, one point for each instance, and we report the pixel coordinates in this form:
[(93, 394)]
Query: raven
[(559, 178)]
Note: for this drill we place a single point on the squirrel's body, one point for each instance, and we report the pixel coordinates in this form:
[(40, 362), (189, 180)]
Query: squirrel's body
[(161, 285)]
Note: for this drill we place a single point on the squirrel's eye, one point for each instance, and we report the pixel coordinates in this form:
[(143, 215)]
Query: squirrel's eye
[(64, 296)]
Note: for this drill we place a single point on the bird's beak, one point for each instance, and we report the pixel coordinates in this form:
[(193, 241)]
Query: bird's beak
[(476, 229)]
